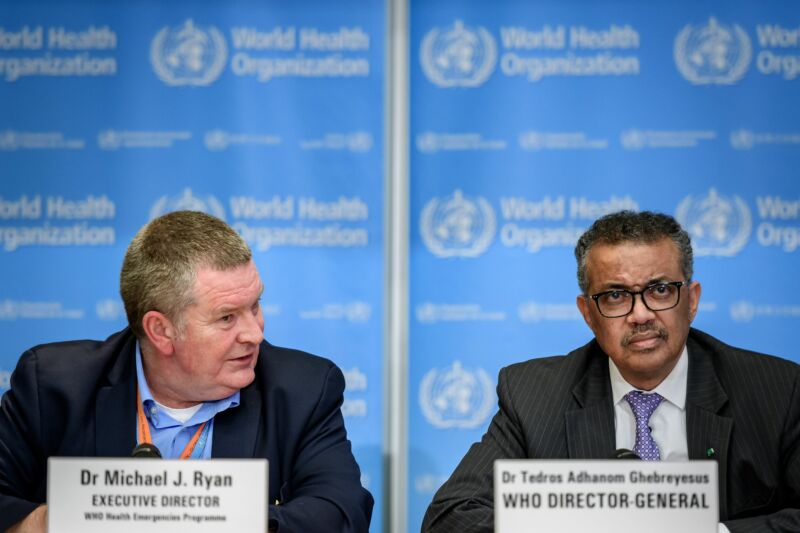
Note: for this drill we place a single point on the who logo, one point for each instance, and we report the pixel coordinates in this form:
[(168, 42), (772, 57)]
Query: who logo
[(187, 201), (9, 140), (455, 397), (718, 225), (458, 56), (742, 139), (742, 311), (715, 54), (109, 309), (457, 226), (188, 54)]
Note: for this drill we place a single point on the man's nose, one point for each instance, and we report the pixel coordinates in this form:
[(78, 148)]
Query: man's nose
[(640, 313), (252, 331)]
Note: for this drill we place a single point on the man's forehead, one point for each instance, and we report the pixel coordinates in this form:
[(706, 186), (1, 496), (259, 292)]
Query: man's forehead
[(663, 247), (237, 279), (633, 258)]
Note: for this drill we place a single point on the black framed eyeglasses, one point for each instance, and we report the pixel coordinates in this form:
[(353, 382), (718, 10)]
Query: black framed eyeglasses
[(656, 297)]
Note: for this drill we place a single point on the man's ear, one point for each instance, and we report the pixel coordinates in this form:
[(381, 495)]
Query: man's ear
[(160, 331), (583, 306), (694, 299)]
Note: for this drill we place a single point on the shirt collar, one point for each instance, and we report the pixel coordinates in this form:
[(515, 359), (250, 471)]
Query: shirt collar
[(160, 419), (673, 388)]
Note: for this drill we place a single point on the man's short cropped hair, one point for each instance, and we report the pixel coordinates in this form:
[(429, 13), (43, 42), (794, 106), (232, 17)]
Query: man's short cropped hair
[(161, 263), (644, 227)]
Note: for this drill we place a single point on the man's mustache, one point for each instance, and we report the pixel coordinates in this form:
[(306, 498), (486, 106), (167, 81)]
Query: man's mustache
[(642, 329)]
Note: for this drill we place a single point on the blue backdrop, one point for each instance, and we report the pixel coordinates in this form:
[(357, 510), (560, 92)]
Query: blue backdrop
[(528, 121), (266, 114), (531, 119)]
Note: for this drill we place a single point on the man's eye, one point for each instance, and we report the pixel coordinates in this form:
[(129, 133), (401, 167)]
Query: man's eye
[(660, 290), (227, 318), (614, 295)]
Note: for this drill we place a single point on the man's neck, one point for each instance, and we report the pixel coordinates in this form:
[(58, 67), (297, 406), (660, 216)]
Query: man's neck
[(158, 386), (622, 385)]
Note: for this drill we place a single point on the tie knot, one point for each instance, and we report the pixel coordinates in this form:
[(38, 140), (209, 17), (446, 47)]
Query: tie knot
[(643, 404)]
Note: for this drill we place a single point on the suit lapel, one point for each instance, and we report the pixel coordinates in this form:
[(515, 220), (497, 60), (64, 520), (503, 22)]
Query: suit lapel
[(115, 405), (708, 434), (590, 427), (236, 429)]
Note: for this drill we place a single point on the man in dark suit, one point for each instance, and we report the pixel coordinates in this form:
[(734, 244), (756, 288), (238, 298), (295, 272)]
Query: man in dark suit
[(193, 363), (648, 382)]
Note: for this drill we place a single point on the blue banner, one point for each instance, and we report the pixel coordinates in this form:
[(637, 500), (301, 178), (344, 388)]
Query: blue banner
[(266, 114), (528, 122)]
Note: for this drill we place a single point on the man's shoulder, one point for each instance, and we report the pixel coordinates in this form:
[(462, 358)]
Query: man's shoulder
[(748, 377), (51, 349), (78, 356), (66, 375), (539, 366), (741, 359), (288, 366), (293, 359)]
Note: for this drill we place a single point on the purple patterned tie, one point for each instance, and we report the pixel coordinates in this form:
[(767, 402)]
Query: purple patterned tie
[(643, 405)]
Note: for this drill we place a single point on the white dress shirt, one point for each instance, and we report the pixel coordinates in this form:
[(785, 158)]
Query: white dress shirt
[(668, 421)]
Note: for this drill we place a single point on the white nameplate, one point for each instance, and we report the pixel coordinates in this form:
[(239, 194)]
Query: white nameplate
[(613, 496), (88, 495)]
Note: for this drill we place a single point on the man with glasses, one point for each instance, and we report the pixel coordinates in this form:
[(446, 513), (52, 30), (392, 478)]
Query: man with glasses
[(647, 382)]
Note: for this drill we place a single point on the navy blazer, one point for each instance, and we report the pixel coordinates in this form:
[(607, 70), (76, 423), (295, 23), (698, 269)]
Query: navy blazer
[(79, 399), (744, 405)]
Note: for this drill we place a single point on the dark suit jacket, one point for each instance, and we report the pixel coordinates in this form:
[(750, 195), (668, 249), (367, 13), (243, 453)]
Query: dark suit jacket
[(744, 405), (79, 399)]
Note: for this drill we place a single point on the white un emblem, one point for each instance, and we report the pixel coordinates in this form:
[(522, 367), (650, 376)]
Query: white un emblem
[(455, 397), (742, 311), (457, 226), (187, 201), (458, 56), (742, 139), (8, 140), (713, 54), (718, 225), (188, 54)]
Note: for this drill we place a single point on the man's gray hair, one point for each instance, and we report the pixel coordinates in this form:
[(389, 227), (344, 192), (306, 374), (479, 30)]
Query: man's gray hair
[(629, 226), (161, 263)]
